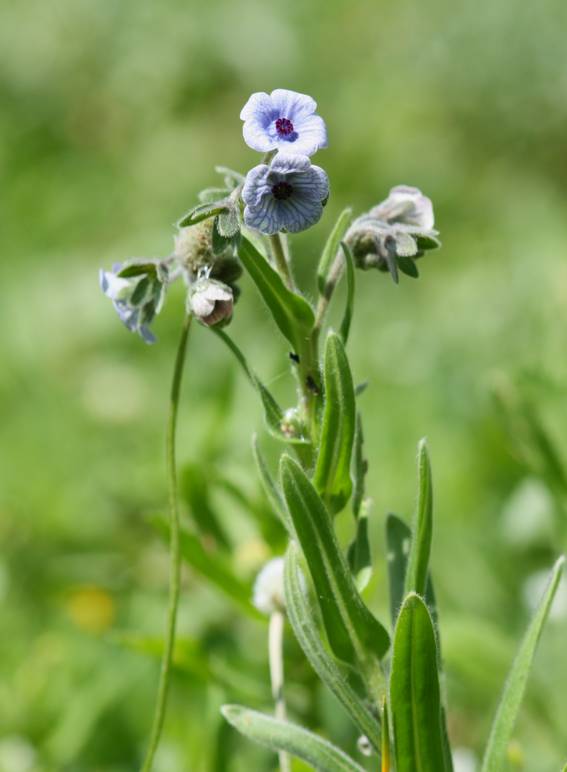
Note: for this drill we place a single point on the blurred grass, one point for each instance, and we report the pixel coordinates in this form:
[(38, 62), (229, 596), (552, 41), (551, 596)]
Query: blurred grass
[(112, 116)]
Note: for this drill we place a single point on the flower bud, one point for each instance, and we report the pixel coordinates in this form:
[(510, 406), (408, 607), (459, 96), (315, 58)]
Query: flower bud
[(269, 588), (210, 301), (193, 246), (406, 206)]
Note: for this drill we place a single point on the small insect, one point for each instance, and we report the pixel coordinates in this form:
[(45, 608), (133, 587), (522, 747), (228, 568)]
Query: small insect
[(311, 385), (294, 357)]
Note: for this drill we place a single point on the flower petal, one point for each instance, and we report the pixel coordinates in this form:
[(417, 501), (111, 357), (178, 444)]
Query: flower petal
[(256, 185), (311, 135), (292, 105)]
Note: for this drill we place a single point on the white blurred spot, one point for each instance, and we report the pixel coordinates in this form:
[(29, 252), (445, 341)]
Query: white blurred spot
[(464, 760), (16, 754), (528, 513)]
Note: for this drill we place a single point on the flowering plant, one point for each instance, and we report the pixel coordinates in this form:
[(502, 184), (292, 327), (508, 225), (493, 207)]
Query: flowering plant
[(388, 676)]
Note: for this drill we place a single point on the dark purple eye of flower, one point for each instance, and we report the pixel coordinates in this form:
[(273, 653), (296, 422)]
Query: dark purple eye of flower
[(282, 190), (284, 127)]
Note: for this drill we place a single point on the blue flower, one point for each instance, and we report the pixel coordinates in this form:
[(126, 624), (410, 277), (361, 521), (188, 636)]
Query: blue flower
[(283, 120), (137, 291), (287, 195)]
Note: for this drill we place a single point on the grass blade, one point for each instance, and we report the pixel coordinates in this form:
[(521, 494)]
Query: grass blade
[(508, 709)]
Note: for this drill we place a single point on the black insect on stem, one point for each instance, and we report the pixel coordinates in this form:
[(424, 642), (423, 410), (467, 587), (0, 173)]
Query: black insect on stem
[(294, 357)]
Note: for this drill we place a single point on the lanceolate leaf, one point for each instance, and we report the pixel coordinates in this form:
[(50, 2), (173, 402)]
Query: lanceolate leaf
[(272, 411), (415, 700), (292, 313), (418, 561), (359, 557), (331, 249), (292, 739), (347, 318), (508, 709), (398, 540), (202, 212), (332, 471), (303, 619), (350, 627)]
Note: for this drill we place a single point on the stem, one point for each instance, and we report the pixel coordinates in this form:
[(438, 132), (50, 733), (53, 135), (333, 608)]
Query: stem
[(275, 653), (175, 556), (324, 299), (281, 261)]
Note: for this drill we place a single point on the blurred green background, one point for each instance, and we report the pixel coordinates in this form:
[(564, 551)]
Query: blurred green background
[(112, 116)]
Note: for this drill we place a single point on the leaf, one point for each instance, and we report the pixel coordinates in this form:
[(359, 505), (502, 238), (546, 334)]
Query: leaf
[(330, 250), (415, 699), (213, 567), (420, 548), (231, 178), (398, 540), (202, 212), (508, 709), (303, 619), (273, 413), (332, 470), (292, 313), (350, 627), (359, 556), (270, 488), (407, 265), (289, 738), (347, 317), (427, 242), (211, 195), (359, 468)]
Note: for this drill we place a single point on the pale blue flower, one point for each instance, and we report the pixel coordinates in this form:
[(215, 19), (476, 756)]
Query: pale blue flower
[(288, 195), (137, 291), (283, 120)]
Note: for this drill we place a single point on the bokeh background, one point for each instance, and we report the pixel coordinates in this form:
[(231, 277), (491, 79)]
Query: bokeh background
[(112, 117)]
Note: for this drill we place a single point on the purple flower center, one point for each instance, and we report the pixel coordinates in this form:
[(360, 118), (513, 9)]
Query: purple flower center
[(284, 127), (282, 190)]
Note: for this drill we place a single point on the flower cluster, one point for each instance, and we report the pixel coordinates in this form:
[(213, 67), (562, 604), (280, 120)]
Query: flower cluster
[(395, 232), (287, 193)]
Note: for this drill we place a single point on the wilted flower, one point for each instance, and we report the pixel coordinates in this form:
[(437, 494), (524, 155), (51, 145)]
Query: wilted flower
[(408, 207), (137, 290), (210, 301), (269, 587), (287, 195), (283, 120), (394, 233)]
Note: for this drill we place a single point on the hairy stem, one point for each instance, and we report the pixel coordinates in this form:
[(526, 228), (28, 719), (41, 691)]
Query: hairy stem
[(175, 557), (275, 653)]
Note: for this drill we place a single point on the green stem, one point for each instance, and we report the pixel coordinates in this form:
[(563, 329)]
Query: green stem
[(275, 652), (281, 261), (175, 556)]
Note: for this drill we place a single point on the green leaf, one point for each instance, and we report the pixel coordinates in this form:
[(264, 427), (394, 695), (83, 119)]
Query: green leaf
[(347, 317), (330, 250), (289, 738), (359, 556), (427, 242), (420, 548), (386, 750), (303, 618), (272, 411), (398, 540), (415, 700), (350, 627), (292, 313), (509, 707), (202, 212), (212, 195), (213, 567), (332, 470), (359, 468), (407, 265), (270, 488)]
